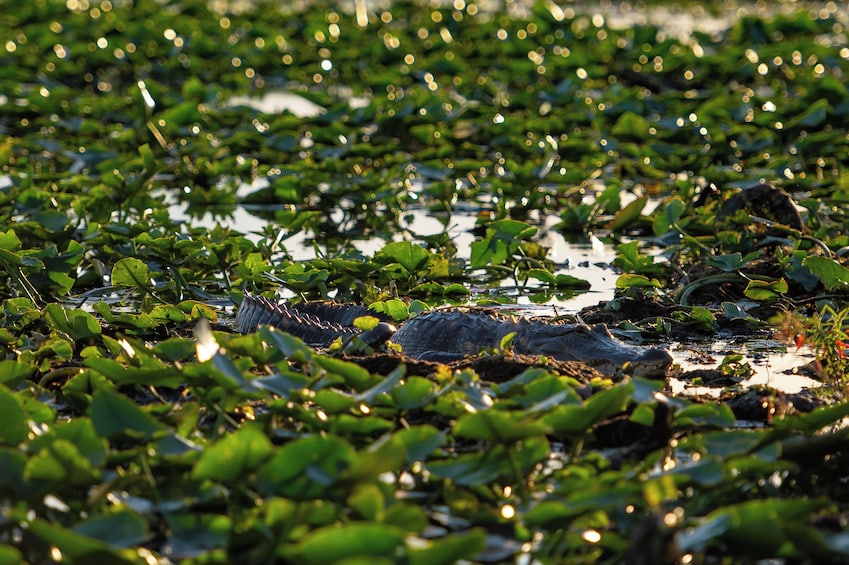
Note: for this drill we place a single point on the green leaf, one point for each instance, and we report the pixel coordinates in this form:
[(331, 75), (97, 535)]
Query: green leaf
[(833, 275), (420, 442), (13, 373), (235, 456), (488, 251), (765, 290), (335, 543), (629, 214), (120, 528), (632, 126), (558, 281), (76, 547), (80, 432), (499, 426), (668, 215), (10, 555), (9, 241), (116, 416), (13, 419), (61, 462), (409, 255), (131, 272), (628, 281), (813, 116), (368, 501), (578, 419), (412, 394), (453, 548), (78, 324), (305, 468)]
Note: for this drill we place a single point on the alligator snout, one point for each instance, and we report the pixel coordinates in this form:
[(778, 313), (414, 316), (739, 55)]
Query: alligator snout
[(596, 346)]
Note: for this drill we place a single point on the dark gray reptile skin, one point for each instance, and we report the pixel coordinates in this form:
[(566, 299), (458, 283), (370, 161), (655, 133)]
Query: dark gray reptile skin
[(448, 334)]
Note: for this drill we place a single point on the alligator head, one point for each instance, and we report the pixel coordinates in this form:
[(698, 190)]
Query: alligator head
[(594, 345)]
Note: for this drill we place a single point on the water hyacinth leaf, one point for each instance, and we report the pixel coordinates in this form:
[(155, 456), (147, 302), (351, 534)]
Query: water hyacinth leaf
[(116, 416), (409, 255), (387, 455), (815, 420), (281, 384), (333, 544), (394, 308), (705, 415), (707, 471), (733, 261), (368, 501), (666, 218), (195, 533), (10, 555), (628, 214), (13, 419), (632, 126), (765, 290), (630, 260), (420, 441), (9, 241), (290, 346), (383, 385), (558, 281), (450, 549), (12, 373), (333, 401), (503, 239), (61, 462), (732, 311), (78, 324), (488, 251), (758, 528), (80, 432), (628, 281), (120, 528), (235, 456), (76, 547), (414, 393), (499, 426), (813, 116), (168, 313), (175, 349), (348, 425), (486, 466), (131, 272), (833, 275), (306, 467), (578, 419)]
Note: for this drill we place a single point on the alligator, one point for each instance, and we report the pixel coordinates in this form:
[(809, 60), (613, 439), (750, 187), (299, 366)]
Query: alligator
[(448, 334)]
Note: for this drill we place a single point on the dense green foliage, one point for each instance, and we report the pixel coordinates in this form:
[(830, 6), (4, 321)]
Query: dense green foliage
[(124, 440)]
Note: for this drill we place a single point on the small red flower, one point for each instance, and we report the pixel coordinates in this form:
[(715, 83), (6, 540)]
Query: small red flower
[(799, 340), (842, 346)]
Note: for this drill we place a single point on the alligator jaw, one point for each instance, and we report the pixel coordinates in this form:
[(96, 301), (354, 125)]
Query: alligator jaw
[(595, 346)]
